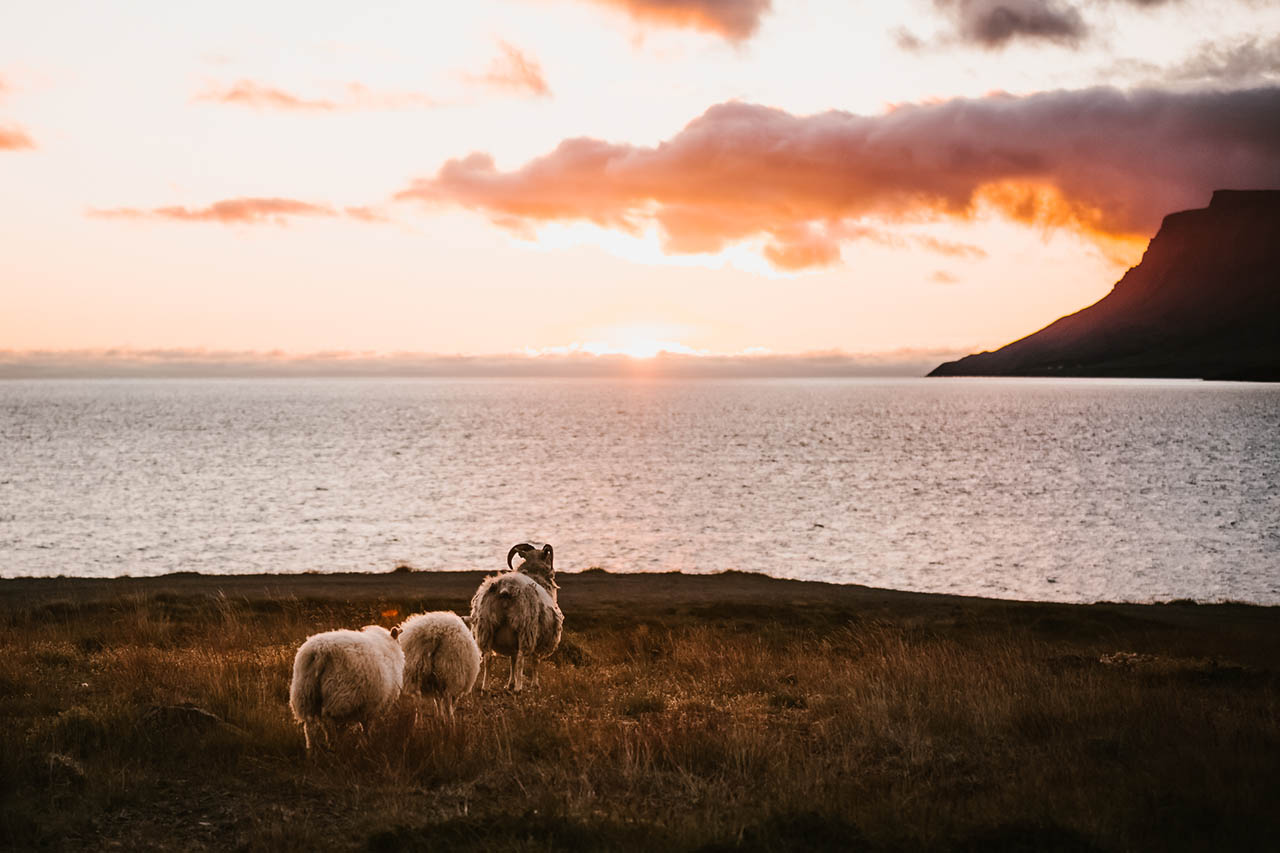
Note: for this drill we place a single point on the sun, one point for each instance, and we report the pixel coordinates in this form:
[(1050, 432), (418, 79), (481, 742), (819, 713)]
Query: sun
[(639, 348), (639, 341)]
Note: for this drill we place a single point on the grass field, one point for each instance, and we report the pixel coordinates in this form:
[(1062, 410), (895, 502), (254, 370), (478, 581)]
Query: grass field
[(722, 713)]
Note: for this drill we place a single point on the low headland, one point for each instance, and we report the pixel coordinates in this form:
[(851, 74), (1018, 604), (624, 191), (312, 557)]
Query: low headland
[(1202, 304), (681, 712)]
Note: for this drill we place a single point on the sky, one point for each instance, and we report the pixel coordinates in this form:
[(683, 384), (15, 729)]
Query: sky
[(759, 180)]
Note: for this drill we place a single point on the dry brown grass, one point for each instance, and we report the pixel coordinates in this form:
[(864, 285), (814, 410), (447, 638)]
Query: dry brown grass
[(713, 728)]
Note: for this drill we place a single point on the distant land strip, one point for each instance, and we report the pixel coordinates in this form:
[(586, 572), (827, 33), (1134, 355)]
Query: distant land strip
[(186, 363)]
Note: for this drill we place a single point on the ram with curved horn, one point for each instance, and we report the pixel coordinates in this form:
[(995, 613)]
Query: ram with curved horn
[(516, 614), (538, 563)]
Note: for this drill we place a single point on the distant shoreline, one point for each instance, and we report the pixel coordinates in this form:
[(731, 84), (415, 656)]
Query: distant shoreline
[(594, 590), (173, 364)]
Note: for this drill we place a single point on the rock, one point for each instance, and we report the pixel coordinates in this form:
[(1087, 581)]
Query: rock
[(1203, 303), (64, 770), (167, 718)]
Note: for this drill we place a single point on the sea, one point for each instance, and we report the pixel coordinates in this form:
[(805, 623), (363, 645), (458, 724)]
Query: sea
[(1071, 490)]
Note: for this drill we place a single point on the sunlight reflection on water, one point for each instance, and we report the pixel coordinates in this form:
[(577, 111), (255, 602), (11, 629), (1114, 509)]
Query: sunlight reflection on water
[(1069, 490)]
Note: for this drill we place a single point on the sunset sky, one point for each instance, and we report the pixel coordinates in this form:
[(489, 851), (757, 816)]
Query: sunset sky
[(606, 176)]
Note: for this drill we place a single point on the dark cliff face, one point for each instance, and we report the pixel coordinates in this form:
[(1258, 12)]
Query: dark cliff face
[(1203, 302)]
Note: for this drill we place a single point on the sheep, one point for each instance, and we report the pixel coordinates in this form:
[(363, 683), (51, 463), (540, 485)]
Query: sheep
[(441, 658), (517, 614), (345, 677)]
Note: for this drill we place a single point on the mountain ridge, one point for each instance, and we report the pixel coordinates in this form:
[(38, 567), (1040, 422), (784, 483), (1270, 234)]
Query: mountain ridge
[(1204, 302)]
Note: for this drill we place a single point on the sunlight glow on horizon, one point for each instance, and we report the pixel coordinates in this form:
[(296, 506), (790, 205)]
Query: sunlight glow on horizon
[(638, 341)]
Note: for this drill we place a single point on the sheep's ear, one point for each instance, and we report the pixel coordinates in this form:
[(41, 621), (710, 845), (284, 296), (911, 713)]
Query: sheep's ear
[(547, 553), (395, 632)]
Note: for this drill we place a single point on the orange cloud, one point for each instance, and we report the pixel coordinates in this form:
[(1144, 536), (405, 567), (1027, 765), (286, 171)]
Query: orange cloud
[(802, 249), (366, 214), (1100, 160), (237, 211), (515, 71), (946, 247), (13, 138), (360, 96), (249, 93), (735, 20)]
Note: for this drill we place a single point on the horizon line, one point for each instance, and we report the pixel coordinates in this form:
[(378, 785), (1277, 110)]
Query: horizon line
[(120, 362)]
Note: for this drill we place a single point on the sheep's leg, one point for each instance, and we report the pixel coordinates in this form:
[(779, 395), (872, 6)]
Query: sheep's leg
[(533, 670), (484, 668), (324, 730), (306, 734), (517, 670)]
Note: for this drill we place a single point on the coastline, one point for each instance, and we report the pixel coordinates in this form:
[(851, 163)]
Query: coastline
[(596, 592)]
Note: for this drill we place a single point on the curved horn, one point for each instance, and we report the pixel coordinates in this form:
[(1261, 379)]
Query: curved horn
[(518, 549)]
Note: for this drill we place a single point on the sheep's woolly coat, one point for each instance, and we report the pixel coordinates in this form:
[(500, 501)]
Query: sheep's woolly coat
[(514, 615), (441, 658), (345, 677)]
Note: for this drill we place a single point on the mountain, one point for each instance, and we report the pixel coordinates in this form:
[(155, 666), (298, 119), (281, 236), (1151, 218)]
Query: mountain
[(1203, 302)]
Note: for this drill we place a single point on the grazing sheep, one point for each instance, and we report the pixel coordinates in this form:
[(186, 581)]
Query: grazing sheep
[(516, 614), (441, 658), (345, 677)]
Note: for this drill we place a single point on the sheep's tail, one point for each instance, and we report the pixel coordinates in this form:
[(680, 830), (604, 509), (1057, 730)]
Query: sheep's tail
[(428, 681), (305, 696)]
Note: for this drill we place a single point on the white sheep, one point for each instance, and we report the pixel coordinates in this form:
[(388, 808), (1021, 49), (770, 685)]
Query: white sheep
[(441, 658), (517, 614), (345, 677)]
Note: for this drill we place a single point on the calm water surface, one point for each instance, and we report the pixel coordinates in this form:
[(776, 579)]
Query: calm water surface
[(1070, 490)]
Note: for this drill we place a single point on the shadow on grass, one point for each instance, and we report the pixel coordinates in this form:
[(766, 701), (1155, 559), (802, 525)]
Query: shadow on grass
[(530, 831)]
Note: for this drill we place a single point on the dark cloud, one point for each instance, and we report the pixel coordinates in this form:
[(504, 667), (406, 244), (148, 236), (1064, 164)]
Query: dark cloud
[(993, 24), (237, 211), (735, 20), (1099, 159), (13, 138), (1249, 59), (907, 40)]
